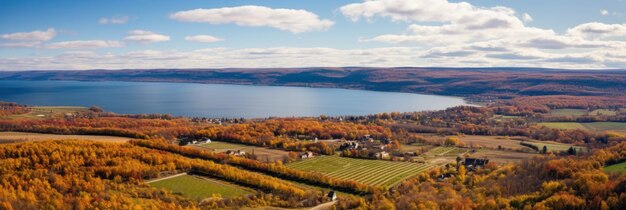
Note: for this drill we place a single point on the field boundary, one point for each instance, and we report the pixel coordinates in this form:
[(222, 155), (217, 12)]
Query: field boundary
[(165, 178)]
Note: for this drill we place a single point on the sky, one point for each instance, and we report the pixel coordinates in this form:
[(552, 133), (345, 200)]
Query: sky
[(141, 34)]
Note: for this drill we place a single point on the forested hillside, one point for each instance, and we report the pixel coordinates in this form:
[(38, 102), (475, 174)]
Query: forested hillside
[(478, 83)]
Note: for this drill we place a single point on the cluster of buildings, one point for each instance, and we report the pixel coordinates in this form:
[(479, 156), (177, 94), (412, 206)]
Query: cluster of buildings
[(378, 149), (189, 140)]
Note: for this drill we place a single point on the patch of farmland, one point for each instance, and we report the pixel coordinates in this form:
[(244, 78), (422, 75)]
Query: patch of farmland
[(371, 172), (199, 188), (594, 126), (15, 137), (492, 142), (415, 147), (564, 125), (499, 156), (555, 146), (606, 112), (567, 112), (445, 151), (616, 168), (261, 153), (606, 126), (50, 112)]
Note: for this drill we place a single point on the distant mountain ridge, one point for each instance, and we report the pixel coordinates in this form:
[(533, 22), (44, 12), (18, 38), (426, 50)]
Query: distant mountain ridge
[(467, 82)]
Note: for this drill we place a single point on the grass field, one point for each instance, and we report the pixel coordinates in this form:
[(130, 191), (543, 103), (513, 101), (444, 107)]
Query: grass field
[(445, 151), (555, 146), (564, 125), (594, 126), (616, 168), (491, 142), (605, 126), (14, 137), (262, 154), (198, 188), (580, 112), (415, 147), (501, 156), (568, 112), (372, 172), (603, 112), (49, 112)]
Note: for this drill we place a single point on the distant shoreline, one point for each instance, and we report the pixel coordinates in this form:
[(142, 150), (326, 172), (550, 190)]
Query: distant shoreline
[(473, 84)]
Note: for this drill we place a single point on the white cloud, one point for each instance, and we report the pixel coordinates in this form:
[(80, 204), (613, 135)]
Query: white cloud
[(604, 12), (118, 19), (145, 37), (527, 18), (34, 36), (466, 24), (20, 45), (203, 38), (84, 44), (292, 20), (451, 56), (493, 36), (598, 30)]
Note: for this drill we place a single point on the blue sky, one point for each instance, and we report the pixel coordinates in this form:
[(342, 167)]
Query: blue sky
[(73, 34)]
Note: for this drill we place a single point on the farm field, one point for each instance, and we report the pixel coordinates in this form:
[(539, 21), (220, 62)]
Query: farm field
[(603, 112), (567, 112), (415, 147), (445, 151), (262, 154), (616, 168), (594, 126), (580, 112), (198, 188), (491, 142), (564, 125), (606, 126), (441, 155), (372, 172), (555, 146), (14, 137), (499, 156), (49, 112)]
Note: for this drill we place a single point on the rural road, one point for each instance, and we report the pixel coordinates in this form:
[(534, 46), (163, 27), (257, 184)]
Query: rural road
[(159, 179), (324, 206)]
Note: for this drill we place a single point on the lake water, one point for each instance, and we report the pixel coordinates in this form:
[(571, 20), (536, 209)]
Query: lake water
[(214, 100)]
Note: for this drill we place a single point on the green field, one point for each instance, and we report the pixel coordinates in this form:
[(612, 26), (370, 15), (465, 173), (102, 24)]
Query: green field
[(555, 147), (594, 126), (605, 126), (580, 112), (564, 125), (372, 172), (199, 188), (568, 112), (603, 112), (49, 112), (262, 154), (620, 167)]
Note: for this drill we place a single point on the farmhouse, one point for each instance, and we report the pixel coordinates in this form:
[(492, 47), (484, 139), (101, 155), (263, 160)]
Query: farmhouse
[(332, 196), (410, 154), (472, 163), (382, 155), (444, 177), (306, 155), (206, 140), (236, 153), (349, 145)]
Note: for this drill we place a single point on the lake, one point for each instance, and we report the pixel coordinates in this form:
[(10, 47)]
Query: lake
[(216, 100)]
